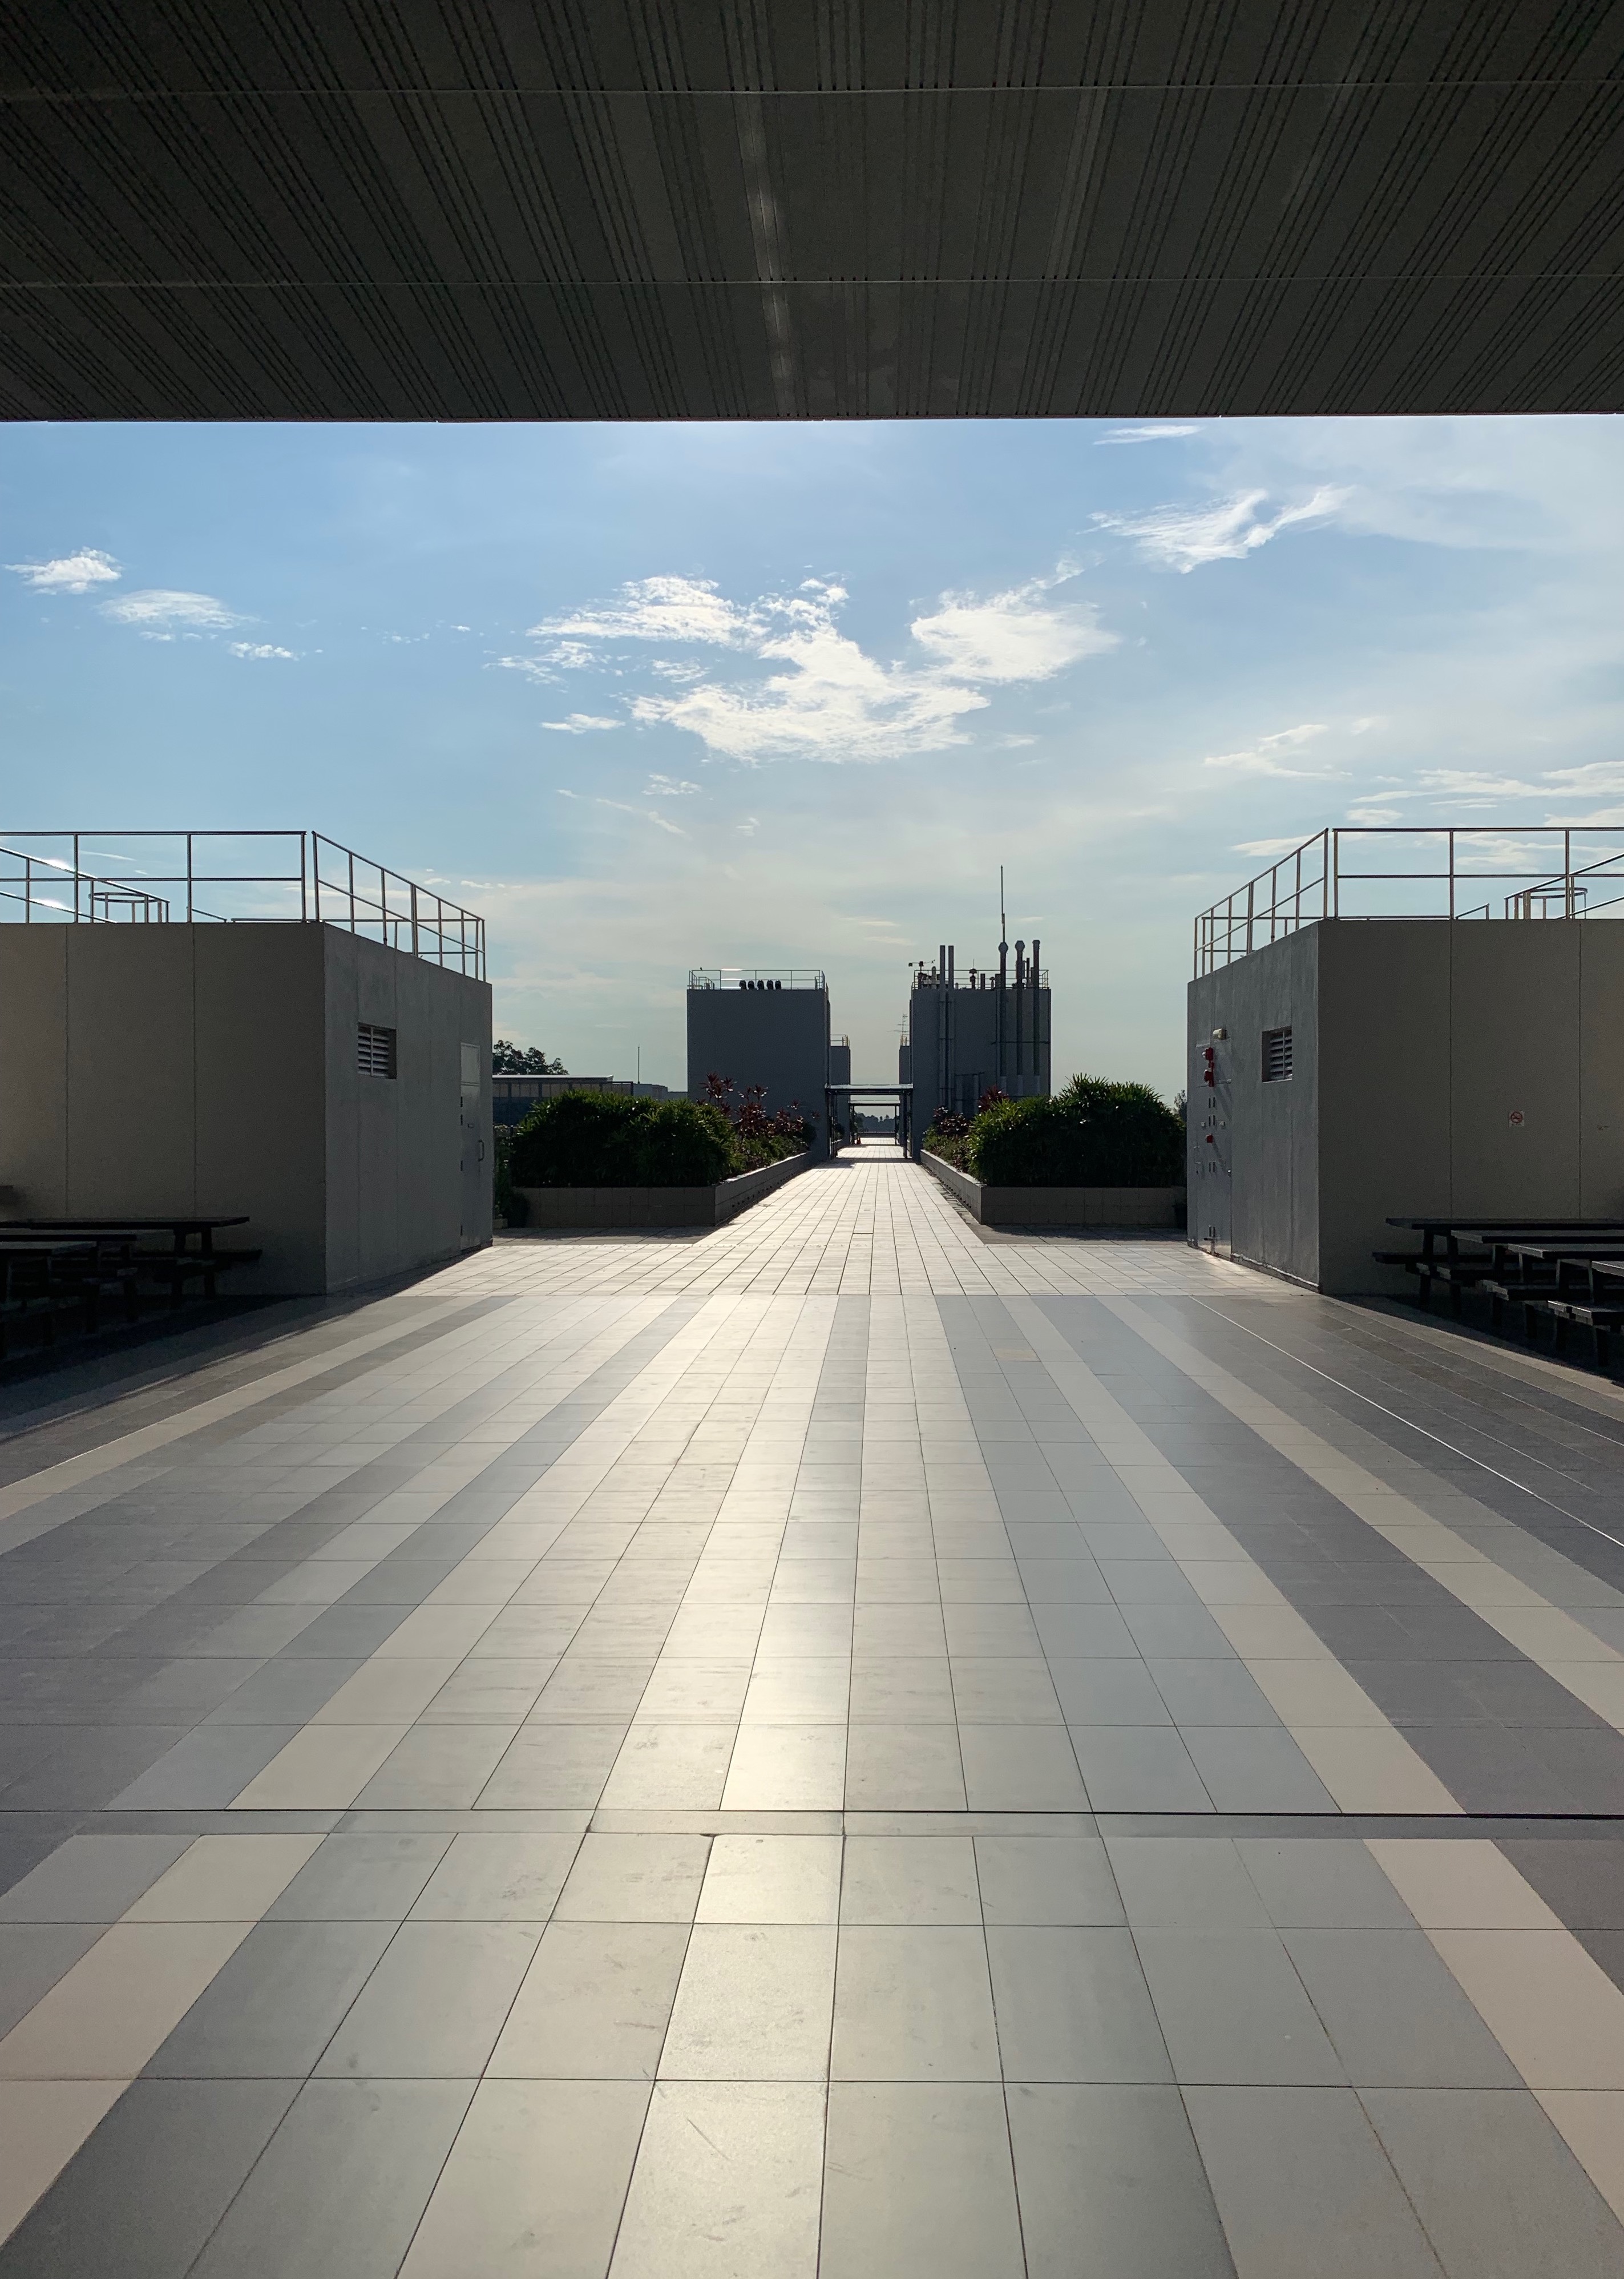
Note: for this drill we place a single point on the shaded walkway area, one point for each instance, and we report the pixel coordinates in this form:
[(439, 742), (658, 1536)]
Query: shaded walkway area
[(833, 1747)]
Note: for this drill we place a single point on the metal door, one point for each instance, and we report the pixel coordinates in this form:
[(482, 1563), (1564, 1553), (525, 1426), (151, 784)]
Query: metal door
[(1211, 1173), (475, 1217)]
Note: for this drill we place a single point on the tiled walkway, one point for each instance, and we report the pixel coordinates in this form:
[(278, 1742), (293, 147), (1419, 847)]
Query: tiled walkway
[(835, 1747)]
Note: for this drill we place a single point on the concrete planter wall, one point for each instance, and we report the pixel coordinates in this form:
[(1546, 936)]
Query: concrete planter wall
[(1070, 1207), (622, 1206)]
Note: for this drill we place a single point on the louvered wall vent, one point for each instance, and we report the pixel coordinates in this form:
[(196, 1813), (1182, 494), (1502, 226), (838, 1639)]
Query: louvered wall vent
[(375, 1050), (1276, 1056)]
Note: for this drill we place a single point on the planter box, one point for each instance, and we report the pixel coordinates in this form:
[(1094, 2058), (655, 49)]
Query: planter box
[(1070, 1207), (621, 1207)]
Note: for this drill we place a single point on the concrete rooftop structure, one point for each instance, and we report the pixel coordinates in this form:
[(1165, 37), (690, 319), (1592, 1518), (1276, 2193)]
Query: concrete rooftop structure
[(842, 1746), (808, 209)]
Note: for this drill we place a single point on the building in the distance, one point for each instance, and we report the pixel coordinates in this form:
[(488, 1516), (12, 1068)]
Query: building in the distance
[(765, 1029), (513, 1097), (983, 1029)]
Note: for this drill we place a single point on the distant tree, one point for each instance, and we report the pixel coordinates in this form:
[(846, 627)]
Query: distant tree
[(509, 1059)]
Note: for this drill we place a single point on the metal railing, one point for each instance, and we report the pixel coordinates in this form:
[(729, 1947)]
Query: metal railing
[(56, 891), (742, 977), (232, 878), (1449, 872)]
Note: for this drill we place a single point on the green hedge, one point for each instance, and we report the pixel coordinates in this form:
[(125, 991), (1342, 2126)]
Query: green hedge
[(1092, 1134), (609, 1140)]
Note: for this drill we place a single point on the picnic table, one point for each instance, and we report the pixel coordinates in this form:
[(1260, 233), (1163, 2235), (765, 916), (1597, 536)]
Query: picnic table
[(33, 1282), (175, 1266), (1495, 1240)]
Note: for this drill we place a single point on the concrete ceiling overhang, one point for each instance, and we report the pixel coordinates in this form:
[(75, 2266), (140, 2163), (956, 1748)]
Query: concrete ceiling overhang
[(808, 209)]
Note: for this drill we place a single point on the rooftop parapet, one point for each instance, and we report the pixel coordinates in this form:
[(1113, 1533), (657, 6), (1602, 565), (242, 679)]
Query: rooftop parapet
[(746, 976), (232, 878), (1443, 871)]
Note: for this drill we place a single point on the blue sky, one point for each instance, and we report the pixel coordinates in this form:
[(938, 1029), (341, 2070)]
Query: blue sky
[(655, 697)]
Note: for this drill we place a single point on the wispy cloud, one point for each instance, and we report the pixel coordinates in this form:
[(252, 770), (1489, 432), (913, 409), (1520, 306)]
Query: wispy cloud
[(667, 787), (829, 699), (260, 649), (1270, 754), (161, 614), (659, 608), (1565, 795), (70, 574), (1014, 636), (1185, 538), (580, 724), (1152, 430)]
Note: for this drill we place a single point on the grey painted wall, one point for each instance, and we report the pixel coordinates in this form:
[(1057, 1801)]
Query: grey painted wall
[(778, 1038), (954, 1071), (1474, 1067), (212, 1069)]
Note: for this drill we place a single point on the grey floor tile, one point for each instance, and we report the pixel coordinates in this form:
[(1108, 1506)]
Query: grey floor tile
[(1112, 1691), (341, 2186), (498, 1878), (1256, 1768), (535, 2183), (1138, 1768), (33, 1957), (1233, 2008), (275, 2006), (1320, 1883), (435, 2003), (91, 1878), (918, 2183), (904, 1768), (1209, 1691), (1084, 1633), (1110, 2182), (635, 1879), (1020, 1768), (1071, 2006), (142, 2194), (1046, 1879), (1582, 1880), (553, 1766), (1177, 1633), (1185, 1883), (1303, 2187), (289, 1690), (913, 2003), (594, 2003), (205, 1770), (909, 1879), (1500, 2195), (727, 2183), (1394, 2011), (362, 1877), (437, 1765)]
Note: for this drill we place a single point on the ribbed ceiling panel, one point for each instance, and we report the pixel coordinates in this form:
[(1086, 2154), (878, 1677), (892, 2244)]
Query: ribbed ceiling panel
[(816, 208)]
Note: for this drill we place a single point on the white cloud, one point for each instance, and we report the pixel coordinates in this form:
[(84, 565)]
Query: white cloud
[(658, 609), (1269, 755), (70, 574), (533, 668), (832, 701), (1014, 636), (1560, 792), (667, 787), (1153, 430), (580, 724), (1270, 850), (259, 649), (1185, 538), (160, 614)]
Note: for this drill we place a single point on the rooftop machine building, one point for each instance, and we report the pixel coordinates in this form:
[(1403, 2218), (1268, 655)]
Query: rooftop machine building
[(1405, 1023), (758, 1028), (254, 1022), (970, 1032)]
